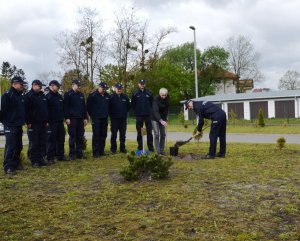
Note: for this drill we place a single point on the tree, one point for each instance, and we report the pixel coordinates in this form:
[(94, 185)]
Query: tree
[(4, 84), (8, 71), (46, 77), (83, 48), (214, 62), (289, 81), (243, 59), (124, 41), (86, 85)]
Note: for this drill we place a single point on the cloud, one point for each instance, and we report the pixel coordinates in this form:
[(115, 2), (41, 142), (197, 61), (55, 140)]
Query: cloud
[(27, 29)]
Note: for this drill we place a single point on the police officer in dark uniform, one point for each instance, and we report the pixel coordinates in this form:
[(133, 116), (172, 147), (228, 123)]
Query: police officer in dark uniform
[(141, 103), (118, 108), (208, 110), (97, 107), (36, 106), (76, 119), (56, 129), (13, 117)]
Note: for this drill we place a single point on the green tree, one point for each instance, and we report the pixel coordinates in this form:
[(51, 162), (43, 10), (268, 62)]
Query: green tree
[(4, 84), (214, 61), (8, 71), (261, 119), (86, 85)]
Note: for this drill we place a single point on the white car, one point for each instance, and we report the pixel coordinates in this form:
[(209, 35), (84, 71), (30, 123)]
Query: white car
[(1, 129)]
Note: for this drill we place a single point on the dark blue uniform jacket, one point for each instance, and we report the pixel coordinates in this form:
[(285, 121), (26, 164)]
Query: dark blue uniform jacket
[(141, 102), (208, 110), (74, 105), (98, 105), (55, 106), (119, 106), (12, 108), (36, 106)]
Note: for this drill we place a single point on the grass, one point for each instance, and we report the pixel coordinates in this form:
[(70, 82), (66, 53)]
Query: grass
[(250, 195), (238, 128)]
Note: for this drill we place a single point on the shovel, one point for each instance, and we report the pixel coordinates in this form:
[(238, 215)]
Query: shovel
[(174, 149), (138, 153)]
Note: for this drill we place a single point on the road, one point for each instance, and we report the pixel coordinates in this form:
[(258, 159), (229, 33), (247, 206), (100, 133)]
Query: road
[(231, 137)]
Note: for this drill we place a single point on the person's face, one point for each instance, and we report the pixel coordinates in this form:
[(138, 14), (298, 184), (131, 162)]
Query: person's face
[(75, 87), (163, 95), (18, 86), (119, 91), (36, 88), (190, 105), (54, 88), (142, 86), (101, 90)]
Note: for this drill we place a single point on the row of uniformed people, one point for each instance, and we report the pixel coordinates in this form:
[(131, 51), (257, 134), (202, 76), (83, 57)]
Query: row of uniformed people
[(44, 116)]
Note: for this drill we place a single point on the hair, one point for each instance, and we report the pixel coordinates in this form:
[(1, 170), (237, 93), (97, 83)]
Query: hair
[(163, 91)]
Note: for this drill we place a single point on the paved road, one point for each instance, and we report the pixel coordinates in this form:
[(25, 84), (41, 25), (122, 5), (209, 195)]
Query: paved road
[(231, 137)]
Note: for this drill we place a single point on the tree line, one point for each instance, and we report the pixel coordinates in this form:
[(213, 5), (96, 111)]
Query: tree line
[(129, 51)]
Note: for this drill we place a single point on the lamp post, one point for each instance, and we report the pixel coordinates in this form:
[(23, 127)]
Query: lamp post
[(195, 61)]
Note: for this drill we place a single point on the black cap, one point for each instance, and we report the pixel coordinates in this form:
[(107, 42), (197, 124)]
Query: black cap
[(18, 79), (54, 82), (38, 82), (76, 82), (119, 86), (142, 82), (186, 103), (103, 85)]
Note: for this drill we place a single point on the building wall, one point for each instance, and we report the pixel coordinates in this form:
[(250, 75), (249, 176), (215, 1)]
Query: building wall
[(228, 88), (268, 106), (271, 108)]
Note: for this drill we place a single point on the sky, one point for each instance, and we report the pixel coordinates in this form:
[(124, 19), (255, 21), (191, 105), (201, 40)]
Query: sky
[(28, 29)]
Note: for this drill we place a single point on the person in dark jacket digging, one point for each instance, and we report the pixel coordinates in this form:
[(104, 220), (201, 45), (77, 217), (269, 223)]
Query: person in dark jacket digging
[(159, 117), (208, 110)]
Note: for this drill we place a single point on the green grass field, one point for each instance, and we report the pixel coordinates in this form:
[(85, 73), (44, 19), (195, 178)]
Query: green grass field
[(238, 128), (252, 194)]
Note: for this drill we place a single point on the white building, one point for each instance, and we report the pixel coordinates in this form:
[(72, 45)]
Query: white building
[(274, 104)]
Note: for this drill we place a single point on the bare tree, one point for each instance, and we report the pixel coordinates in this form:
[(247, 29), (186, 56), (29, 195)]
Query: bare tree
[(46, 77), (243, 59), (289, 81), (83, 48), (124, 41)]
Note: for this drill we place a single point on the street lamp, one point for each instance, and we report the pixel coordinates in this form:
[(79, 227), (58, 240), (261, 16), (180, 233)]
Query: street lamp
[(195, 61)]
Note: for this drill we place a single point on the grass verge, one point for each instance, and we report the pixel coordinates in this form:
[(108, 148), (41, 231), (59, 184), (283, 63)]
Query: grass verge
[(252, 194)]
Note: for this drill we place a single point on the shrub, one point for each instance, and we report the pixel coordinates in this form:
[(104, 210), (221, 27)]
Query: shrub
[(181, 118), (232, 116), (261, 119), (281, 142), (198, 137), (146, 167)]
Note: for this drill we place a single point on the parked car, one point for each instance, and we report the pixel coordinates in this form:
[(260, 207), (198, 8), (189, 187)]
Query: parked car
[(1, 129)]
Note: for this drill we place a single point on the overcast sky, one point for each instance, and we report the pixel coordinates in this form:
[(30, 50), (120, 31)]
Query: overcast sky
[(28, 28)]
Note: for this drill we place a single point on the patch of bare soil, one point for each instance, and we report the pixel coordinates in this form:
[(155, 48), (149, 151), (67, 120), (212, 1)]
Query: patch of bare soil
[(186, 157)]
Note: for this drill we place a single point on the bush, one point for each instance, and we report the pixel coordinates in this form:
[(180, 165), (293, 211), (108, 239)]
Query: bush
[(232, 116), (281, 142), (146, 167), (181, 118), (261, 119)]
